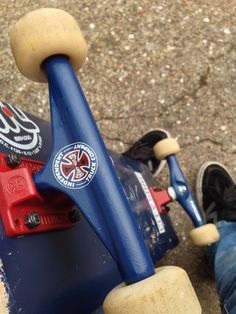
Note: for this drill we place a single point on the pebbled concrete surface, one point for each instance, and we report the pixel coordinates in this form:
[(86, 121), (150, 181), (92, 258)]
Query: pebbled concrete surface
[(168, 64)]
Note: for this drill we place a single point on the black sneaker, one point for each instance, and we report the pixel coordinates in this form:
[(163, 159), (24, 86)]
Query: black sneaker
[(142, 150), (216, 193)]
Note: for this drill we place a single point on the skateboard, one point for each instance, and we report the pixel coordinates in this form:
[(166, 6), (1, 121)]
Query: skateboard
[(82, 228)]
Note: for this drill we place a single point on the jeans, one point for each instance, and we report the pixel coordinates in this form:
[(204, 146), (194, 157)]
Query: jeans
[(222, 258)]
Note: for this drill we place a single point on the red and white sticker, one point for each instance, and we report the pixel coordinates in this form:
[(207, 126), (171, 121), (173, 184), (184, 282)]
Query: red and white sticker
[(151, 202)]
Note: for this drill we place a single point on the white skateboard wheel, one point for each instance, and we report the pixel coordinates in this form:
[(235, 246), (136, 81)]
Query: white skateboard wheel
[(204, 235), (43, 33), (169, 291), (4, 298), (166, 147)]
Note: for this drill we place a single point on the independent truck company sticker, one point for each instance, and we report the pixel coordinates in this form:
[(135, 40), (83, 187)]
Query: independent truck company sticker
[(75, 165)]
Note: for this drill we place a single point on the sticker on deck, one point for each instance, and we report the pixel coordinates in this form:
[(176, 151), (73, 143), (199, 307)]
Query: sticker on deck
[(75, 165), (18, 132), (151, 202)]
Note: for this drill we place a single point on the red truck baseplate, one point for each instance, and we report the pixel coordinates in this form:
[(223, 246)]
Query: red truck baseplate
[(161, 199), (23, 210)]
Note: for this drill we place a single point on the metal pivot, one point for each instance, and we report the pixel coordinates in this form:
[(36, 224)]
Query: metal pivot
[(183, 192)]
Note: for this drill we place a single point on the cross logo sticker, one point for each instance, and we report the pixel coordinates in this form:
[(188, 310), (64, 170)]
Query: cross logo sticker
[(75, 165)]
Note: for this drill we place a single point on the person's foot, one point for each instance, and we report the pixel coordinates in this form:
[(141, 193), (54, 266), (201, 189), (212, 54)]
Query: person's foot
[(216, 193), (142, 150)]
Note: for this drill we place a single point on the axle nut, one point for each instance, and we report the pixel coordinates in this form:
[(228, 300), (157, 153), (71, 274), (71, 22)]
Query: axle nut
[(32, 220)]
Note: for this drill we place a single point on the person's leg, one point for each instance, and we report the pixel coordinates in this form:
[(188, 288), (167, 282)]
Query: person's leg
[(216, 193), (222, 257)]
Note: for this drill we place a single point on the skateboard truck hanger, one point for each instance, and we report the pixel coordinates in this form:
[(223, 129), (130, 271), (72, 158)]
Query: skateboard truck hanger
[(78, 166), (179, 191), (203, 234)]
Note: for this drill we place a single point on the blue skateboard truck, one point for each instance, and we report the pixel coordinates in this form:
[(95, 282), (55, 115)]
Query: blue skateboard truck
[(78, 220)]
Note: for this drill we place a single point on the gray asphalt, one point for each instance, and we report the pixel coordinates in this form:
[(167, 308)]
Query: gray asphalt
[(168, 64)]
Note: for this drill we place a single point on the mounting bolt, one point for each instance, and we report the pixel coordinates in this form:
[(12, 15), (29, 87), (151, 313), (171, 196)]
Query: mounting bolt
[(74, 215), (13, 160), (32, 220)]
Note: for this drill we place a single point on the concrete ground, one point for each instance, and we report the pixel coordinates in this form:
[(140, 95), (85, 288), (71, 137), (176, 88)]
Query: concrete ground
[(169, 64)]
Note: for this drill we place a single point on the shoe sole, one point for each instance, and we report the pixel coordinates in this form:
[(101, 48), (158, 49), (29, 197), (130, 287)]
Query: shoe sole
[(163, 162), (199, 182)]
